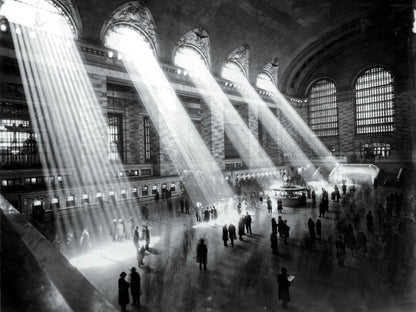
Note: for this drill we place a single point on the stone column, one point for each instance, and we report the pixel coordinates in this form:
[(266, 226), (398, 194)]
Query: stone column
[(212, 130)]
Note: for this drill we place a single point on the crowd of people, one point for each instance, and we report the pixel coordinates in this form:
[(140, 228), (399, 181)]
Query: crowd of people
[(357, 230)]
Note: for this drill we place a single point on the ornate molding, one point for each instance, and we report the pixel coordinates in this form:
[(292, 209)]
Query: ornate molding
[(272, 69), (240, 56), (197, 39), (134, 14)]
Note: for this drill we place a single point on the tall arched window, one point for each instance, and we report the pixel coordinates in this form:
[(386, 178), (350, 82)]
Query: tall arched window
[(188, 57), (374, 96), (323, 114), (265, 82), (46, 15), (233, 71)]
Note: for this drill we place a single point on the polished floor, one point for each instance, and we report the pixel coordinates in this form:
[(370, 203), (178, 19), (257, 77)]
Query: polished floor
[(244, 277)]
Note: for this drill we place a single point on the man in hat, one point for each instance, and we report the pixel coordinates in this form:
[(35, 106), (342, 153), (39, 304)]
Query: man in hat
[(135, 287), (123, 291), (201, 254)]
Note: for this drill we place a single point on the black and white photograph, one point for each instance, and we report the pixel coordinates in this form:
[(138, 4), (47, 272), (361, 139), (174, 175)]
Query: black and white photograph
[(208, 155)]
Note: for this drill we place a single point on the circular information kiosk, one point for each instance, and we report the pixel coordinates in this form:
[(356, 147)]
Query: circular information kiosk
[(291, 195)]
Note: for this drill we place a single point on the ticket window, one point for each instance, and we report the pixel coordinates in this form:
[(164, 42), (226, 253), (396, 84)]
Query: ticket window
[(123, 194), (112, 197), (145, 190), (70, 200), (134, 192), (164, 190), (38, 211), (172, 187), (37, 204), (99, 198), (154, 189), (85, 199), (55, 203)]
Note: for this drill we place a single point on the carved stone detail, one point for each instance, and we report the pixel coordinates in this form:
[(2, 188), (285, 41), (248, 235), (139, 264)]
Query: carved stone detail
[(272, 69), (198, 39), (240, 56), (137, 15)]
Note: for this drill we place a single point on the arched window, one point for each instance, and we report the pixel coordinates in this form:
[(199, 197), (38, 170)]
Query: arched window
[(131, 21), (322, 109), (188, 57), (128, 39), (265, 82), (374, 96), (192, 48), (46, 15), (232, 71)]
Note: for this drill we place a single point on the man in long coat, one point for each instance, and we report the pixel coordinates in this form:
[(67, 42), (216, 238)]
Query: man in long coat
[(123, 291), (241, 226), (135, 287), (231, 233), (225, 235), (284, 285), (202, 254)]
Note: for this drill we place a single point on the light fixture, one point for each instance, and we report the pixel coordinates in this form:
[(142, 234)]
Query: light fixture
[(179, 71), (110, 54), (119, 56), (3, 27), (18, 31)]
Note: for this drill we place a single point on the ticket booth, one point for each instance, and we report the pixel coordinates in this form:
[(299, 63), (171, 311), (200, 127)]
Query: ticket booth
[(134, 192), (38, 210), (123, 193), (172, 187), (154, 189), (85, 199), (54, 203), (99, 199), (70, 200), (112, 197)]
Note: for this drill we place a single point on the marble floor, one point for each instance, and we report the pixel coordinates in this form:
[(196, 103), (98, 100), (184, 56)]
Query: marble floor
[(244, 277)]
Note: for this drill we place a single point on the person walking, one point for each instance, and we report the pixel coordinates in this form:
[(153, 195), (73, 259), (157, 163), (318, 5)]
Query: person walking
[(247, 220), (269, 205), (186, 206), (274, 226), (182, 203), (284, 284), (140, 256), (318, 228), (202, 254), (370, 222), (232, 233), (146, 237), (281, 226), (322, 209), (136, 237), (135, 286), (286, 230), (313, 199), (123, 291), (225, 235), (85, 241), (279, 206), (311, 227), (241, 226)]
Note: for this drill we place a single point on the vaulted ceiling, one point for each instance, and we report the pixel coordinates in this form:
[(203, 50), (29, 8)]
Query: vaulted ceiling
[(271, 28)]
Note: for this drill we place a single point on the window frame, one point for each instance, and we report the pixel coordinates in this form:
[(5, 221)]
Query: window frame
[(378, 112)]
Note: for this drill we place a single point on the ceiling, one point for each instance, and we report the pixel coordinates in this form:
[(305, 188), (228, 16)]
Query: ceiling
[(271, 28)]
